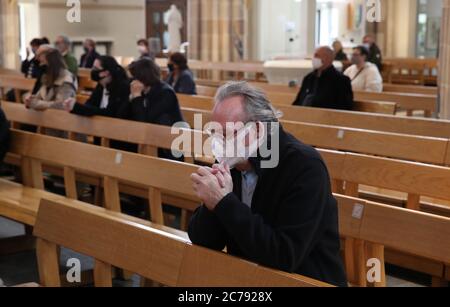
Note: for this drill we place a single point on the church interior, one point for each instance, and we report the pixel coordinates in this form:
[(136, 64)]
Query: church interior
[(115, 130)]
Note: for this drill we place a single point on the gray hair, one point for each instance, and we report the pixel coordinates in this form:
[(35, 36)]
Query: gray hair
[(66, 40), (256, 104)]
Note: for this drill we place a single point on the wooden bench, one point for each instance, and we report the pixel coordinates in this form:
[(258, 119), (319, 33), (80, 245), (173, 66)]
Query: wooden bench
[(408, 102), (16, 83), (393, 145), (67, 155), (377, 122), (117, 240), (407, 147), (411, 71)]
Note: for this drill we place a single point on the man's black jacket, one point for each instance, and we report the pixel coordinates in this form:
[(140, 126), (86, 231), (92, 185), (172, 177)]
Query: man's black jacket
[(332, 90), (292, 224)]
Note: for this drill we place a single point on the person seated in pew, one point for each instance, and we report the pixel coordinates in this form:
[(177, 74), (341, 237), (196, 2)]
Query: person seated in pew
[(364, 75), (281, 215), (325, 87), (111, 95), (375, 55), (152, 100), (58, 84), (4, 135), (30, 68), (63, 44), (180, 77), (144, 49), (90, 54)]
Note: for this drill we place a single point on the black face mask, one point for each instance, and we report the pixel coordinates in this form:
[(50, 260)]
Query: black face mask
[(95, 75), (171, 67), (86, 50)]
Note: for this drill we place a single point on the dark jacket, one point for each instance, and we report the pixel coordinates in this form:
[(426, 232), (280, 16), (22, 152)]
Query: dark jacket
[(159, 106), (292, 224), (4, 135), (375, 56), (118, 101), (117, 107), (87, 59), (30, 68), (332, 90), (185, 83)]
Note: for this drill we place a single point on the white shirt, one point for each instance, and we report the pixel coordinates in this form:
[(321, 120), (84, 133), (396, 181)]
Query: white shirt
[(249, 182), (105, 99), (368, 79)]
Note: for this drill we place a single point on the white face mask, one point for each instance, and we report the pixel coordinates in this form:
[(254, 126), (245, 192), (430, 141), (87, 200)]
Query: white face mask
[(233, 151), (142, 49), (317, 63)]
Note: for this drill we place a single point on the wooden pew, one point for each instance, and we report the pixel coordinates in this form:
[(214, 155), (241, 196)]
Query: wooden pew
[(67, 156), (411, 71), (117, 240), (414, 148), (385, 144), (413, 89), (407, 147)]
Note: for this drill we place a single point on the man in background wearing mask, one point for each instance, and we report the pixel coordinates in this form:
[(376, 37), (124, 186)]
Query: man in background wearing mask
[(63, 44), (281, 215), (4, 135), (90, 54), (365, 76), (375, 56), (144, 50), (325, 87)]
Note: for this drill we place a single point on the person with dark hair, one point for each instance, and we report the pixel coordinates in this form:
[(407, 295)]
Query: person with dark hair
[(180, 77), (144, 49), (30, 67), (111, 94), (364, 75), (4, 135), (152, 100), (90, 54), (375, 56), (57, 83), (325, 87)]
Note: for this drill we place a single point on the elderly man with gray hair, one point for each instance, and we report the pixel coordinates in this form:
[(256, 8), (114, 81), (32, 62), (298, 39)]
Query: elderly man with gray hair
[(63, 44), (269, 198)]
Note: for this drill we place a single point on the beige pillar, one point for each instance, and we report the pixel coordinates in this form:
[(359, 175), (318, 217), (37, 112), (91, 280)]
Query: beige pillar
[(9, 34), (444, 62)]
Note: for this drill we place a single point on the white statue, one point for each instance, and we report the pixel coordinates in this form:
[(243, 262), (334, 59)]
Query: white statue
[(175, 24)]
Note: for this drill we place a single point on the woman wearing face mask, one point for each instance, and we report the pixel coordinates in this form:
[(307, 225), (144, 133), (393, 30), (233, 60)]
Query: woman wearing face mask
[(152, 101), (30, 67), (111, 95), (365, 76), (180, 77), (57, 83)]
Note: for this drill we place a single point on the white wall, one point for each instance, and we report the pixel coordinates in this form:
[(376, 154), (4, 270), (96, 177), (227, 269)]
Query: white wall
[(273, 39), (123, 22)]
